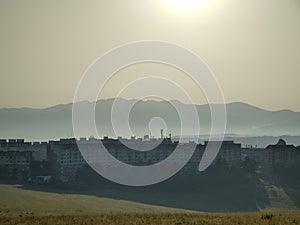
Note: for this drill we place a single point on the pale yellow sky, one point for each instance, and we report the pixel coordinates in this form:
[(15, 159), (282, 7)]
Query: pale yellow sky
[(252, 46)]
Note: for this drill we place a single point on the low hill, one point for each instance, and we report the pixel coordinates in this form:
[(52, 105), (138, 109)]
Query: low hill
[(15, 200)]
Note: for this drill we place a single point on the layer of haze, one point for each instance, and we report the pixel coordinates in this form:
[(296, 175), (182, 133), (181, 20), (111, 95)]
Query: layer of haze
[(253, 47)]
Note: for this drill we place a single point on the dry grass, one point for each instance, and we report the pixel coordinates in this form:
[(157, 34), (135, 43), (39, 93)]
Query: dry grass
[(27, 207), (15, 201), (284, 218)]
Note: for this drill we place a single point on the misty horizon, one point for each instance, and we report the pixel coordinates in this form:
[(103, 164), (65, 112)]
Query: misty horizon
[(153, 100)]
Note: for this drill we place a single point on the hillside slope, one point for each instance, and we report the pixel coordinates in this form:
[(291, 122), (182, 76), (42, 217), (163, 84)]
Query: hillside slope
[(18, 201)]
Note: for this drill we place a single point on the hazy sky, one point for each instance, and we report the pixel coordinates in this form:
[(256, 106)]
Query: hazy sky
[(252, 46)]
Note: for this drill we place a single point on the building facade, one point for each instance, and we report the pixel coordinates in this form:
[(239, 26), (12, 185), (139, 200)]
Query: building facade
[(282, 154), (16, 156), (66, 159)]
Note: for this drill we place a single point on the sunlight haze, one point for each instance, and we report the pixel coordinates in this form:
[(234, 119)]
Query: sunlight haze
[(253, 47)]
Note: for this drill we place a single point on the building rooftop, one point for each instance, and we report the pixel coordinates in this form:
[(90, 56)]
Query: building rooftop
[(281, 144)]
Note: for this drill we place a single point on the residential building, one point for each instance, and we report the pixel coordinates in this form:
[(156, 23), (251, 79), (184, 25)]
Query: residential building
[(282, 154)]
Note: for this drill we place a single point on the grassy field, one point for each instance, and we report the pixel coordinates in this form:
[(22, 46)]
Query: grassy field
[(15, 201), (285, 218), (28, 207)]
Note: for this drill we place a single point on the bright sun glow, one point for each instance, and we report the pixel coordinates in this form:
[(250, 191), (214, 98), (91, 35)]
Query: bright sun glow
[(188, 4)]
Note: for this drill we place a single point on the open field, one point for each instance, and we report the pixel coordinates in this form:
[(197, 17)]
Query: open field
[(15, 201), (22, 206), (284, 218)]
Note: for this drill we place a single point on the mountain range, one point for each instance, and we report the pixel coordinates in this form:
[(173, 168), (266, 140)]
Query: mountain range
[(55, 122)]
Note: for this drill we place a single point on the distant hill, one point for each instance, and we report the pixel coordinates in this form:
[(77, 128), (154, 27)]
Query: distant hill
[(56, 122)]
